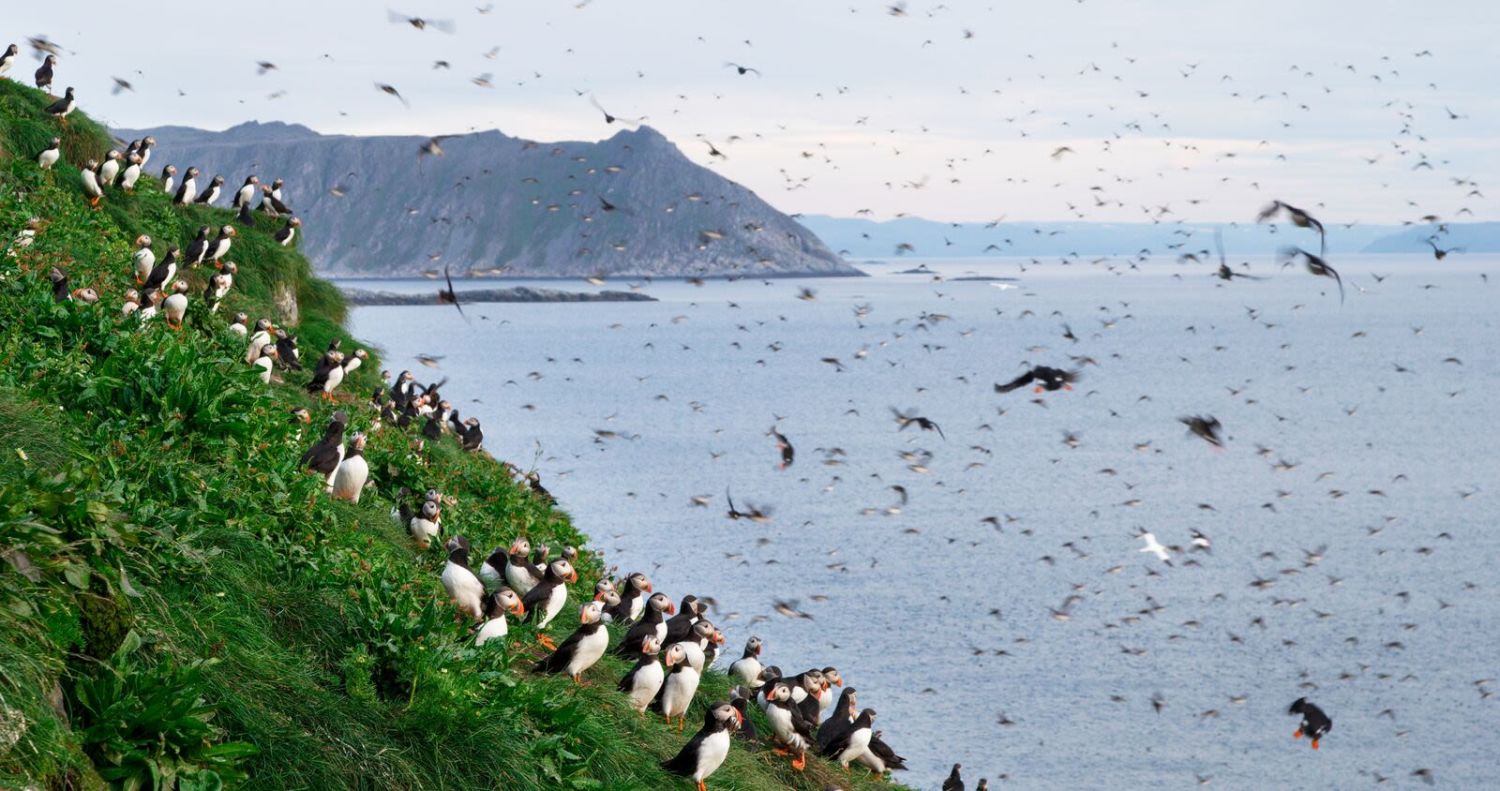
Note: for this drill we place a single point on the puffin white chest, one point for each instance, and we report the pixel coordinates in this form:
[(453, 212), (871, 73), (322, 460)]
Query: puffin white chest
[(335, 378), (349, 478), (637, 607), (678, 691), (423, 530), (711, 753), (588, 651), (747, 670), (493, 629), (556, 598), (518, 578), (859, 743), (645, 683)]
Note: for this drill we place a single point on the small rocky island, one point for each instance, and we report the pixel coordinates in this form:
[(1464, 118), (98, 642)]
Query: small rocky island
[(359, 296)]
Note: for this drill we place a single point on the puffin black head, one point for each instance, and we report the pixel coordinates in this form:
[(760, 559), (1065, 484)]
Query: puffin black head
[(561, 570), (831, 675), (752, 647), (637, 580), (703, 630), (661, 603), (650, 646), (458, 554), (430, 511)]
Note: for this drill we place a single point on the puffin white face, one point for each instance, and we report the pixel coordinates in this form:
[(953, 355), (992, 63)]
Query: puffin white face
[(520, 547), (831, 676), (813, 682), (661, 603), (602, 587), (593, 612), (562, 569), (728, 716), (429, 510), (143, 241), (510, 602), (609, 599), (641, 582), (780, 692), (650, 645), (753, 647), (676, 655), (704, 630)]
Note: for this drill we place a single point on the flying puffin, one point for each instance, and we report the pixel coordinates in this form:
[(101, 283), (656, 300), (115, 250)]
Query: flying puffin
[(546, 600), (747, 668), (219, 247), (109, 169), (706, 751), (349, 479), (219, 285), (131, 174), (163, 273), (644, 679), (89, 176), (43, 76), (174, 308), (1315, 724), (246, 192), (636, 588), (426, 524), (168, 178), (463, 587), (680, 686), (496, 605), (50, 155), (1047, 378), (584, 647), (787, 724), (142, 260), (650, 625), (211, 194), (8, 60), (324, 456), (188, 189)]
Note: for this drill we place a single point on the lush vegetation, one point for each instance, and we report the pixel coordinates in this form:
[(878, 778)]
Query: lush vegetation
[(182, 606)]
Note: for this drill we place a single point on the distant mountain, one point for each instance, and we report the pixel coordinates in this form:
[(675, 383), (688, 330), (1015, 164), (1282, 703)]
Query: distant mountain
[(494, 204), (860, 238), (1479, 237)]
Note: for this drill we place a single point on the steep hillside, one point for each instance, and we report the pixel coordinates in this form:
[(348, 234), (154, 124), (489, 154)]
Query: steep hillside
[(181, 606), (493, 204)]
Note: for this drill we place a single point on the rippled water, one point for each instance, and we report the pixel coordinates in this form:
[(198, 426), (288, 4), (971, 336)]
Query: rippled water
[(1379, 543)]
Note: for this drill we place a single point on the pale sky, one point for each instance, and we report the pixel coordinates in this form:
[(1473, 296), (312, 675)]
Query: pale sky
[(858, 109)]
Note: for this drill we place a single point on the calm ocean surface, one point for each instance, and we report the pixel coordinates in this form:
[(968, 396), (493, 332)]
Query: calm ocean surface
[(1374, 543)]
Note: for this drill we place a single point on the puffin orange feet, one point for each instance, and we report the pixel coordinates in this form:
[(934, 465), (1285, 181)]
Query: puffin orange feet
[(701, 786), (1315, 744), (546, 642), (1298, 734), (1037, 389), (801, 762)]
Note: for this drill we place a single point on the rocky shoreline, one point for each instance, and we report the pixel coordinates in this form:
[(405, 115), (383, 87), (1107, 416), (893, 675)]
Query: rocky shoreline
[(364, 297)]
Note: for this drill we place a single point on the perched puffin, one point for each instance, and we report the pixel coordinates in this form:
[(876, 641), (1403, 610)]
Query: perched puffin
[(89, 176), (240, 325), (43, 74), (50, 155), (132, 302), (741, 703), (109, 170), (271, 202), (1315, 724), (286, 350), (8, 60), (881, 757), (328, 375), (787, 724), (747, 668), (519, 572), (163, 273), (168, 178), (150, 303), (198, 248), (265, 360), (955, 781), (142, 260), (349, 479), (496, 605), (220, 245), (63, 107), (706, 751), (354, 361), (680, 686), (131, 174), (211, 194), (583, 648), (844, 714), (854, 741), (246, 192), (681, 624), (324, 456), (59, 280), (471, 435), (633, 594), (219, 285), (650, 625), (546, 600), (1046, 377), (645, 679), (806, 688), (258, 340), (425, 525), (145, 151), (174, 308), (831, 678), (463, 587), (188, 189)]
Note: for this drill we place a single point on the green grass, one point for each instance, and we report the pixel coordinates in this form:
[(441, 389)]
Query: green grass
[(243, 628)]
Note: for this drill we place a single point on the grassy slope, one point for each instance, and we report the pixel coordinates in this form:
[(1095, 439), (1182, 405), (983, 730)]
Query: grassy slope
[(152, 481)]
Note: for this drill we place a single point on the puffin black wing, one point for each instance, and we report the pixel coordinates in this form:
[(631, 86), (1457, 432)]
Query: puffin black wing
[(884, 752), (645, 627), (685, 762), (1017, 383), (323, 457), (537, 595), (557, 660)]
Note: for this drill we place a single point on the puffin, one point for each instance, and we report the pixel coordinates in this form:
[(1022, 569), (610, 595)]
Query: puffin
[(635, 589), (328, 375), (650, 625), (163, 273), (50, 155), (246, 193), (583, 648), (854, 741), (265, 360), (350, 476), (219, 285), (286, 350), (150, 303), (270, 200), (471, 435), (1046, 377), (955, 781), (354, 361), (109, 169), (43, 76), (792, 732), (805, 690), (63, 107), (142, 261), (425, 524), (881, 757), (239, 325), (644, 679), (211, 193), (706, 751), (844, 714), (59, 280), (198, 248), (132, 302), (747, 668), (496, 606), (1315, 724), (546, 600), (220, 245), (831, 679), (681, 624), (680, 686), (168, 178), (8, 60), (174, 308), (324, 456), (463, 587), (145, 151), (702, 641), (131, 174), (258, 339), (188, 189), (519, 572), (740, 700), (89, 177)]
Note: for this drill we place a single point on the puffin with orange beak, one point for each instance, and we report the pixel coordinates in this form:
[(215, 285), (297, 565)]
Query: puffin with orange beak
[(517, 568), (583, 648), (546, 600), (650, 625), (681, 685), (633, 592), (496, 606), (793, 732), (747, 668), (706, 751), (220, 246), (645, 679)]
